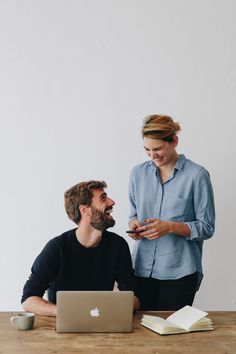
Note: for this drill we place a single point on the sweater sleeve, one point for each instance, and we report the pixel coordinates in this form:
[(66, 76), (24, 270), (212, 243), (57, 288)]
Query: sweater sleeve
[(43, 271), (125, 273)]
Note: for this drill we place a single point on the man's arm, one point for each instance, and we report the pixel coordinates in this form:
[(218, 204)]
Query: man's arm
[(125, 275), (39, 306), (43, 271)]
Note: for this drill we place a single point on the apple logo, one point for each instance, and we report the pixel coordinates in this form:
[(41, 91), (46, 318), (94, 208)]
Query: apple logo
[(94, 312)]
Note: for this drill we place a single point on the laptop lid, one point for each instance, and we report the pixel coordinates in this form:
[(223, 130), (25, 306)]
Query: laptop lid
[(94, 311)]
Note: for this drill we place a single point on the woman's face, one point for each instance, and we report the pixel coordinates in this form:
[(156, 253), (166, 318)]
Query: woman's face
[(161, 152)]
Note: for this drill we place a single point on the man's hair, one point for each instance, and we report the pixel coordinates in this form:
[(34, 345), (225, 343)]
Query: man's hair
[(80, 194), (161, 127)]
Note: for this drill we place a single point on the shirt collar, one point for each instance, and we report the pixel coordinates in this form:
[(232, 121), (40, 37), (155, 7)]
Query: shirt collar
[(180, 162), (178, 166)]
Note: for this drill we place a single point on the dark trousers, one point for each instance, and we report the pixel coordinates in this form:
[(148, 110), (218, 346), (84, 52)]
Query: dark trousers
[(164, 295)]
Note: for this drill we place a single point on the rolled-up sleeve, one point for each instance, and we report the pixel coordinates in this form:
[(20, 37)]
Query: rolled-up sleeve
[(202, 228)]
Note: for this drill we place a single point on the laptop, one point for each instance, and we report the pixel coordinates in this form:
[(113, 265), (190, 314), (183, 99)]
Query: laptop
[(94, 311)]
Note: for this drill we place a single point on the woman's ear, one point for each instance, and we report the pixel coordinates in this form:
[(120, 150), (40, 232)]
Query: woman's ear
[(175, 140)]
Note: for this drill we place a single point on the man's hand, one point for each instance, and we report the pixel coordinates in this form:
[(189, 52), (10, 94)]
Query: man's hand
[(39, 306), (136, 305)]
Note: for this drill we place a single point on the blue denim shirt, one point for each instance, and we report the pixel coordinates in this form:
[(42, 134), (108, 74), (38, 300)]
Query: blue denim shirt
[(187, 197)]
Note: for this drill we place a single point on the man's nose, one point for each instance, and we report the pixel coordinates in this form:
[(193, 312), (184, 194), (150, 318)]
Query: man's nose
[(111, 202)]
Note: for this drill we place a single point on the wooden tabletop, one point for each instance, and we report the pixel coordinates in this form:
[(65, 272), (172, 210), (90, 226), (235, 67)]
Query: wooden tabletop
[(44, 339)]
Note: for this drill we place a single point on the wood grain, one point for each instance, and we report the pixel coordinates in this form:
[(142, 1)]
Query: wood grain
[(44, 339)]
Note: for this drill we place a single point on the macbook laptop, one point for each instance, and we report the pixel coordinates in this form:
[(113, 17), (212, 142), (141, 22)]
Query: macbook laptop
[(94, 311)]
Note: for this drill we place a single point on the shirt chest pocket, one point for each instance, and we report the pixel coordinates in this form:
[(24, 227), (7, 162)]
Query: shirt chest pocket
[(175, 209)]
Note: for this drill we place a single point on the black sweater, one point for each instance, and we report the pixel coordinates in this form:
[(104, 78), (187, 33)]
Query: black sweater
[(64, 264)]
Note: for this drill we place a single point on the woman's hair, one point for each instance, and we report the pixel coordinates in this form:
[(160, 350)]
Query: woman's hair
[(80, 194), (160, 127)]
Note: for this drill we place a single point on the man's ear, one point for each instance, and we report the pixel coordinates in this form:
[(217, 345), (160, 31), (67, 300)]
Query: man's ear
[(84, 210)]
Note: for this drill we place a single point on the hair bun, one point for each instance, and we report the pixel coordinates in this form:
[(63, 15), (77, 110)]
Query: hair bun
[(158, 126)]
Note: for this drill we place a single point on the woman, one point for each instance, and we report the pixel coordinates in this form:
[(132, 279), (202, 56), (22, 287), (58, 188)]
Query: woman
[(172, 212)]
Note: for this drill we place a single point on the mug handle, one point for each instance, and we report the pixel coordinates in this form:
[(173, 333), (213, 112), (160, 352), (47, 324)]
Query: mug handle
[(14, 320)]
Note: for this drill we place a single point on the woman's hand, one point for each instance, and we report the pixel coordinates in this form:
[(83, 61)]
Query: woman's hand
[(134, 225), (155, 228)]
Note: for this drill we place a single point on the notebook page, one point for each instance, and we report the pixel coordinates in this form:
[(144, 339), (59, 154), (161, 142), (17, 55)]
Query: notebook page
[(159, 321), (186, 317)]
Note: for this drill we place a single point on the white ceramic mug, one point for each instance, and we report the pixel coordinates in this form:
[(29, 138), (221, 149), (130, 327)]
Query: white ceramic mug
[(23, 320)]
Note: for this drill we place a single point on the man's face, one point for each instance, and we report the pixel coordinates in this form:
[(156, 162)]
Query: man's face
[(101, 208)]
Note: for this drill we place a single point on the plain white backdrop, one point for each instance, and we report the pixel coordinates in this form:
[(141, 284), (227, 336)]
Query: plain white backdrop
[(76, 80)]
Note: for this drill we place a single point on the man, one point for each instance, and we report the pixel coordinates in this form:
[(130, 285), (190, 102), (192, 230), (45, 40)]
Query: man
[(85, 258)]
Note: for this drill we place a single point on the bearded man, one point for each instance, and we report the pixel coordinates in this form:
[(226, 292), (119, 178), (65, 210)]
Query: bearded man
[(85, 258)]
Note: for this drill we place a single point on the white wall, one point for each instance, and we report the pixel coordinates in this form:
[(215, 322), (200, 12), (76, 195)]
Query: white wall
[(76, 79)]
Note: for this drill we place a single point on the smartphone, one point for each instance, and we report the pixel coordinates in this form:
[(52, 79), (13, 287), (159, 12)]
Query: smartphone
[(132, 232)]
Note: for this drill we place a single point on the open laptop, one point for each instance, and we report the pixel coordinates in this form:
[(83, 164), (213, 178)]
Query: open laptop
[(94, 311)]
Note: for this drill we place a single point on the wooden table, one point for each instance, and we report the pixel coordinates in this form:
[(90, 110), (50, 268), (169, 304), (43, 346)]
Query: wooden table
[(44, 339)]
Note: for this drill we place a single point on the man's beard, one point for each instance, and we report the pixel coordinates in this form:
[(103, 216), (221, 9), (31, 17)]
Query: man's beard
[(100, 220)]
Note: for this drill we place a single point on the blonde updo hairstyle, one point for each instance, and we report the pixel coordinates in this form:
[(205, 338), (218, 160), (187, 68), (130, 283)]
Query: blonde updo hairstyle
[(160, 127)]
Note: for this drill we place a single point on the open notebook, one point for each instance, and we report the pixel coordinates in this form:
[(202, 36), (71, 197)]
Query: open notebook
[(187, 319)]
